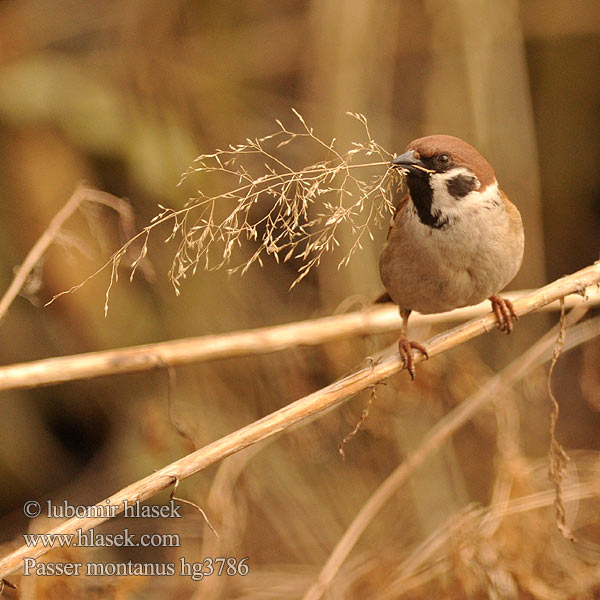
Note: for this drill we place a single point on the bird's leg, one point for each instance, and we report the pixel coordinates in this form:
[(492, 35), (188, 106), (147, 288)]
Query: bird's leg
[(405, 347), (505, 313)]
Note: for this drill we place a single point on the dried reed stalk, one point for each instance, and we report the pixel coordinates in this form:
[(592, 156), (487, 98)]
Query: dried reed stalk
[(300, 410), (372, 320)]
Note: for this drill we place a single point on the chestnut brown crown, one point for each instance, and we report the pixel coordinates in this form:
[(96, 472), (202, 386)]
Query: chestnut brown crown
[(460, 153)]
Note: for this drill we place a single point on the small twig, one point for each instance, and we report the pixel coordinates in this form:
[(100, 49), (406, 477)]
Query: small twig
[(557, 455), (311, 405), (40, 247), (80, 195), (192, 504), (171, 384), (5, 583), (364, 415)]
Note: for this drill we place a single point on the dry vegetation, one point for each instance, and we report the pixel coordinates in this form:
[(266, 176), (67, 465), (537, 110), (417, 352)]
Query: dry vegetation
[(483, 571), (444, 491), (288, 213)]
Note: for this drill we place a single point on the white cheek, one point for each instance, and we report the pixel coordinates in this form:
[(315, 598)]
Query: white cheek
[(454, 207)]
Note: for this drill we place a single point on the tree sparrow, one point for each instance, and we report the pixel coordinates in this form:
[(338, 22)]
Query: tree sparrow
[(455, 237)]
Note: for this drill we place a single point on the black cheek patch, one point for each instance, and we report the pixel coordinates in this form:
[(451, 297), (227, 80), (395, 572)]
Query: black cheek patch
[(461, 185)]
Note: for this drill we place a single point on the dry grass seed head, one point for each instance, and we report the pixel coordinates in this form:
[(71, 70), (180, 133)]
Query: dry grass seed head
[(258, 195), (286, 211)]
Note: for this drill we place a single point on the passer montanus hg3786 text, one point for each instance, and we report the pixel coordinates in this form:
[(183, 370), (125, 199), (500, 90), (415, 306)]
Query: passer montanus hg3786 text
[(455, 239)]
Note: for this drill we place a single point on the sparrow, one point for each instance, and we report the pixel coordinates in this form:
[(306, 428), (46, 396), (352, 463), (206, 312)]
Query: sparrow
[(455, 238)]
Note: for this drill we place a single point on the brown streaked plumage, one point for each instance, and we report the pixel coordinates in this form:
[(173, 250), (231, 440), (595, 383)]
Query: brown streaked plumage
[(455, 238)]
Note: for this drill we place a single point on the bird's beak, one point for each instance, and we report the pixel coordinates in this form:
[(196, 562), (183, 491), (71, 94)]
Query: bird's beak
[(409, 162)]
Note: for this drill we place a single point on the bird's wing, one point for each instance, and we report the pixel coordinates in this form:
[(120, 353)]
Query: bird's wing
[(516, 225)]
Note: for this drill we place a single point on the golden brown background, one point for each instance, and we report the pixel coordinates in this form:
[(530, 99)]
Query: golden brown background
[(123, 94)]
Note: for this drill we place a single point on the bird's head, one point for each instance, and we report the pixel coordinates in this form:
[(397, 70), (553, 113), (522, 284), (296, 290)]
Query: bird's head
[(445, 175)]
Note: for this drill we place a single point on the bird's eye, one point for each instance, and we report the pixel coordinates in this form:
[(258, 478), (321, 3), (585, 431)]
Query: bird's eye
[(443, 158)]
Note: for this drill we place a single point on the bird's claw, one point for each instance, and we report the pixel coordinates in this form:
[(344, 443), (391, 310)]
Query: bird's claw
[(505, 313), (405, 349)]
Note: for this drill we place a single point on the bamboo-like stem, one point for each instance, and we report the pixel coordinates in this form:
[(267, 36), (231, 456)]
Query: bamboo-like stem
[(300, 410), (372, 320)]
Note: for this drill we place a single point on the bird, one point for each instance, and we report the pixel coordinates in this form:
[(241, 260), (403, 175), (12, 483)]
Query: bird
[(455, 237)]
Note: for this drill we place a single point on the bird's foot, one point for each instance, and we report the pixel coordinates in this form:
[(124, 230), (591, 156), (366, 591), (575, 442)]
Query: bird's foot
[(505, 313), (405, 349)]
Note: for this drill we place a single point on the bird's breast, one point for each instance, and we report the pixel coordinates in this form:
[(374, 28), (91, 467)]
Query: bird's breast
[(430, 269)]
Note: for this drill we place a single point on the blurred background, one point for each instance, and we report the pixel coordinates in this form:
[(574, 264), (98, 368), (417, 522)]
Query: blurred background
[(123, 95)]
